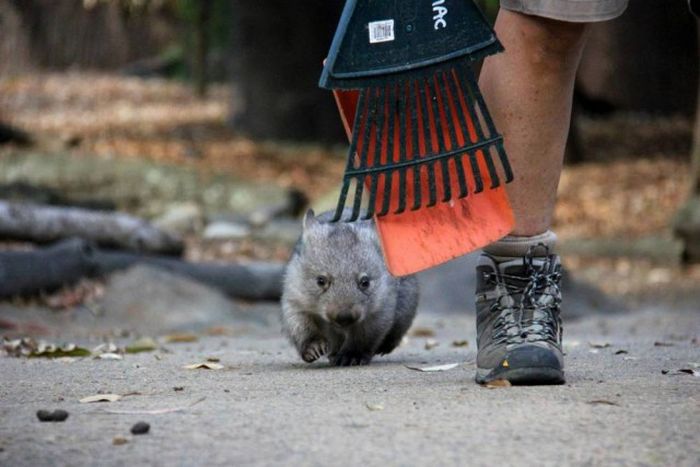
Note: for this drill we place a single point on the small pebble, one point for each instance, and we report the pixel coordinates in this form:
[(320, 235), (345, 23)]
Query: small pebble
[(55, 416), (45, 416), (141, 428), (59, 415), (118, 441)]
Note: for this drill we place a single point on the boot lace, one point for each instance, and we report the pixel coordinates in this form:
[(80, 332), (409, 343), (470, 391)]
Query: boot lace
[(535, 317)]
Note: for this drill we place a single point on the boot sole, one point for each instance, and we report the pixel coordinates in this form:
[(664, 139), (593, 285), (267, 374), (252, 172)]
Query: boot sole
[(522, 376)]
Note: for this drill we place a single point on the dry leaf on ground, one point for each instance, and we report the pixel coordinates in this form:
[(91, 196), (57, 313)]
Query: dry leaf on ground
[(431, 344), (144, 344), (100, 398), (204, 366), (602, 402), (109, 356), (181, 337), (422, 331), (153, 411), (429, 369), (497, 383)]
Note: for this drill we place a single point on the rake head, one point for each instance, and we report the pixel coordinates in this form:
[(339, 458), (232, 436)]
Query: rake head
[(421, 133)]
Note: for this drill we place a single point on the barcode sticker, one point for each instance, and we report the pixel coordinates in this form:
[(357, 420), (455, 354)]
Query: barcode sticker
[(381, 31)]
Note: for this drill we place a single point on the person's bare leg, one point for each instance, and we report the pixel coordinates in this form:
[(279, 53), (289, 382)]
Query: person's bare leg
[(528, 90)]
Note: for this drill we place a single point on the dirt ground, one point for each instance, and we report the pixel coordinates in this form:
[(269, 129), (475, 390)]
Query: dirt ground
[(634, 179)]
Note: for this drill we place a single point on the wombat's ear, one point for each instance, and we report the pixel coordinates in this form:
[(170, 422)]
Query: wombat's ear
[(309, 219)]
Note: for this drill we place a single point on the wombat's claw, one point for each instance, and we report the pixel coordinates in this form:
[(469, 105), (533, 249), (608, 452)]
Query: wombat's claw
[(314, 350), (350, 359)]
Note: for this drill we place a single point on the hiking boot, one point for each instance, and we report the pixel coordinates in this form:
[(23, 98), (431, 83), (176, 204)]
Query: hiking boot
[(518, 325)]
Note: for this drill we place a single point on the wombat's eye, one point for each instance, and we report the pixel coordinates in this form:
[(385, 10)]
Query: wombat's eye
[(363, 283), (322, 281)]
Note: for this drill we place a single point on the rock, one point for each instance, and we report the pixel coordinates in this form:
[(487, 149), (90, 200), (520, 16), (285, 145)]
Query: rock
[(181, 218), (292, 206), (140, 428), (279, 230), (226, 231), (150, 300)]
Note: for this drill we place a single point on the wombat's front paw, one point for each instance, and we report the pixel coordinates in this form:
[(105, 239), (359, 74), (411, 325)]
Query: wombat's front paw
[(350, 358), (313, 350)]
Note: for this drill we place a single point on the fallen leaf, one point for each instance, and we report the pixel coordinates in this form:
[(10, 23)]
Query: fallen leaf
[(109, 356), (602, 402), (32, 349), (219, 331), (497, 383), (663, 344), (463, 343), (154, 411), (204, 366), (100, 398), (445, 367), (119, 440), (374, 407), (422, 331), (180, 338), (599, 345), (105, 348), (621, 351), (144, 344), (431, 344)]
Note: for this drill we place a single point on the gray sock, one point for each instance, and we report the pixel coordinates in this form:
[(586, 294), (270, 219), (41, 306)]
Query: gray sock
[(513, 246)]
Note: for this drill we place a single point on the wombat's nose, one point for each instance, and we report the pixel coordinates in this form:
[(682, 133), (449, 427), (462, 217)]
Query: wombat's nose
[(345, 318)]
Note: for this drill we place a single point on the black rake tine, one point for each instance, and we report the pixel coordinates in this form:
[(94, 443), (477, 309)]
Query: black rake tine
[(459, 163), (402, 114), (444, 163), (432, 192), (466, 99), (371, 113), (356, 127), (503, 157), (478, 100), (391, 105), (417, 189), (478, 181), (379, 129)]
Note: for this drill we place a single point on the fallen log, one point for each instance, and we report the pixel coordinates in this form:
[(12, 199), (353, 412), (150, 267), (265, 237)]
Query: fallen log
[(46, 224), (27, 273), (38, 194)]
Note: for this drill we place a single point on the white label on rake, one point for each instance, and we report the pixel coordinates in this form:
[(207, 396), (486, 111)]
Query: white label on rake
[(381, 31)]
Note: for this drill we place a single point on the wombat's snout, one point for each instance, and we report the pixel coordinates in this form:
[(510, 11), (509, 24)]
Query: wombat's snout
[(345, 318)]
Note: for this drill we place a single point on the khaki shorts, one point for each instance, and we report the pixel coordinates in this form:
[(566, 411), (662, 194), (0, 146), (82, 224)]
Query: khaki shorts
[(575, 11)]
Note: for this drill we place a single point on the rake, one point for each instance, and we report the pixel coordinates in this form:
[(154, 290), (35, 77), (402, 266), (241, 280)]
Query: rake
[(421, 138)]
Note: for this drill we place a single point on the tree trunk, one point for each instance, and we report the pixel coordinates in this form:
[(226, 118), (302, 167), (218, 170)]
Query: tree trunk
[(25, 273), (645, 60), (201, 47), (277, 54), (686, 223)]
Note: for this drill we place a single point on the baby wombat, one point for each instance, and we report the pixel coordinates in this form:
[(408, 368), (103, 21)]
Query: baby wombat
[(339, 300)]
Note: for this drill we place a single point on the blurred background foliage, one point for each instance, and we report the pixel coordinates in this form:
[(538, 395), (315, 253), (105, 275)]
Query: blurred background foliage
[(228, 88)]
